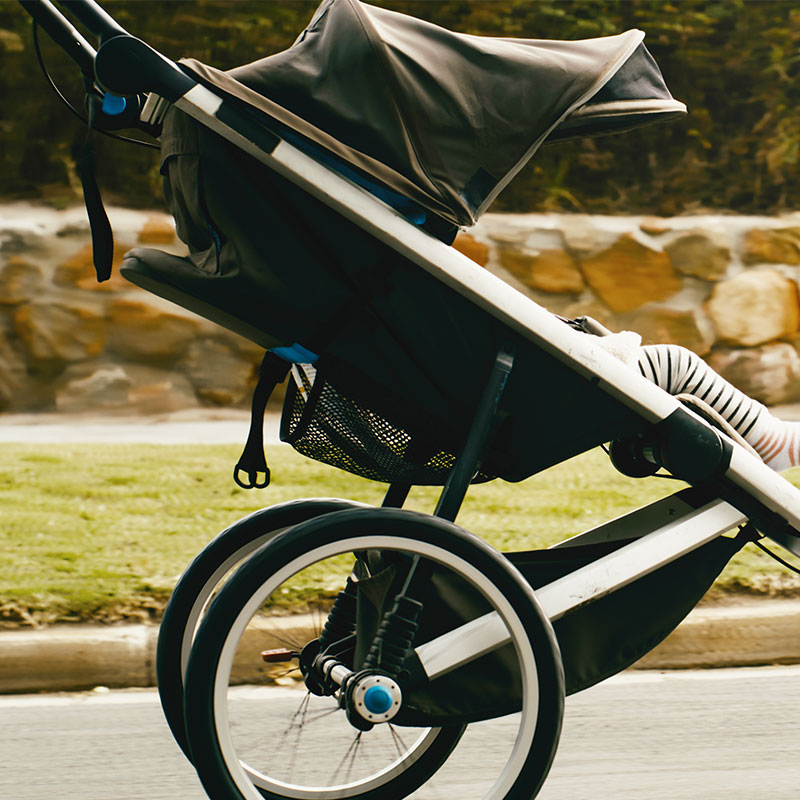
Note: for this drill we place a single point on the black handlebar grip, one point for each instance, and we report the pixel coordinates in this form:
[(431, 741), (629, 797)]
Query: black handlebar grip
[(127, 66)]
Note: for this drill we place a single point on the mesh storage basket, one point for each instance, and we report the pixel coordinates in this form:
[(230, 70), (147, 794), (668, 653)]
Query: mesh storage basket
[(323, 423)]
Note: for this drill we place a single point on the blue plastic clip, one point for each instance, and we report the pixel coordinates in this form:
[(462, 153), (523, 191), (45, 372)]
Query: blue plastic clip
[(113, 105), (296, 354)]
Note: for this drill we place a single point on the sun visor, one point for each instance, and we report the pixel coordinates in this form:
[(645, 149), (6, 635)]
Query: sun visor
[(634, 97), (444, 119)]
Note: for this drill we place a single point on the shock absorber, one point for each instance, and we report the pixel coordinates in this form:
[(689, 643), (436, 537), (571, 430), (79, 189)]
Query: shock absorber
[(341, 621), (334, 641), (371, 695), (393, 639)]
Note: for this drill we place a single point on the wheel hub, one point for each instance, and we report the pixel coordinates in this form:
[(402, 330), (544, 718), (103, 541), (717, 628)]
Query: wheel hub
[(376, 698)]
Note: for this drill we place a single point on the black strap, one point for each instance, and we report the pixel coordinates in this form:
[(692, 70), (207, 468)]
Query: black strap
[(253, 461), (102, 237), (273, 370)]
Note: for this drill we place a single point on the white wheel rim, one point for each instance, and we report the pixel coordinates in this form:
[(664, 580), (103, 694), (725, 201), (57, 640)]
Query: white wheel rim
[(247, 779)]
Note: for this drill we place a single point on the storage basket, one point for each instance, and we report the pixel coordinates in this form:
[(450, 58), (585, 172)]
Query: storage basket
[(327, 425)]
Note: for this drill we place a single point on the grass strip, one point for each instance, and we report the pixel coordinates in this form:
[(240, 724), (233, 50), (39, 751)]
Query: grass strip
[(104, 531)]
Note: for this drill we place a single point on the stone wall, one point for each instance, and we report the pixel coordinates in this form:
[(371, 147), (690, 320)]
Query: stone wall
[(70, 344), (724, 286)]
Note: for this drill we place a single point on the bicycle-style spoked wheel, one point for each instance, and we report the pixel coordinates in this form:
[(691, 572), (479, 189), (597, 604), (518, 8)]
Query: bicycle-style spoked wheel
[(259, 741), (202, 579)]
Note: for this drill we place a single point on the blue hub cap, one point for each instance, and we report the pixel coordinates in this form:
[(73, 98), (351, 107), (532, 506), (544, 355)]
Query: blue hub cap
[(378, 700)]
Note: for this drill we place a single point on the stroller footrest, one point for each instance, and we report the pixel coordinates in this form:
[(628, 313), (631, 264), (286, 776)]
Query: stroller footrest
[(178, 280)]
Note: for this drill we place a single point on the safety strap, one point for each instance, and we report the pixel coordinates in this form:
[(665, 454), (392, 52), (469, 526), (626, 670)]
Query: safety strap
[(273, 370), (102, 237), (253, 461)]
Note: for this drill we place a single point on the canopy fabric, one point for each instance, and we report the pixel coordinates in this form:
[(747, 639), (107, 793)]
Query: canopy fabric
[(445, 119)]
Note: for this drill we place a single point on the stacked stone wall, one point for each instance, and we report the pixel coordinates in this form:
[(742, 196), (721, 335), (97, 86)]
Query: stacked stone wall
[(70, 344), (724, 286)]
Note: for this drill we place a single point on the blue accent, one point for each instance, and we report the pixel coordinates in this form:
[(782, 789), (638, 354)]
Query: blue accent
[(378, 700), (412, 211), (113, 106), (217, 240), (296, 354), (408, 208)]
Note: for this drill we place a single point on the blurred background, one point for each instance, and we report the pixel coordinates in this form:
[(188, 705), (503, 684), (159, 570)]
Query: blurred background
[(685, 232), (733, 62)]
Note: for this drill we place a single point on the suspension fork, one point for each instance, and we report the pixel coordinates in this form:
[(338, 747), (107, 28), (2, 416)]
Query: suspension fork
[(373, 694)]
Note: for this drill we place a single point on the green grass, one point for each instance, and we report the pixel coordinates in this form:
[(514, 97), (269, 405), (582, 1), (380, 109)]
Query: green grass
[(104, 531)]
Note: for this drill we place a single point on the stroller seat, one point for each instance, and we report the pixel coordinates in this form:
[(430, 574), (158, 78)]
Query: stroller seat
[(295, 252)]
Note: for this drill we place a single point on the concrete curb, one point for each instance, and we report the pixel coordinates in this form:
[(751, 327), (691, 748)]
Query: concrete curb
[(77, 657), (752, 634), (72, 658)]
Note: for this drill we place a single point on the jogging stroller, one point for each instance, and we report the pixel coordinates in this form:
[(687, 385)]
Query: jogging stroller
[(319, 190)]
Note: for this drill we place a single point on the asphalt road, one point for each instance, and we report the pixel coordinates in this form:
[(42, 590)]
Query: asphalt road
[(731, 734)]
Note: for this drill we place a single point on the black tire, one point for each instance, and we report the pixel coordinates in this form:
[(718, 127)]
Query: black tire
[(220, 746), (201, 579)]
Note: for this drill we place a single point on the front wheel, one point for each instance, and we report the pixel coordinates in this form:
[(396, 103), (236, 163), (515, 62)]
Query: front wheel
[(204, 576), (284, 743)]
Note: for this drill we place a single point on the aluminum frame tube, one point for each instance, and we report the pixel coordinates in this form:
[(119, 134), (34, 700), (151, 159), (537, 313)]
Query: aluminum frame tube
[(601, 577)]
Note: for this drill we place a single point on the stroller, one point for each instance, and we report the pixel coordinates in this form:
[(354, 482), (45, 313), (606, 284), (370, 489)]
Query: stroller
[(319, 191)]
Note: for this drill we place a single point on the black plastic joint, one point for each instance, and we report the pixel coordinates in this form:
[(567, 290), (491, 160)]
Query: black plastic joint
[(630, 457), (690, 449)]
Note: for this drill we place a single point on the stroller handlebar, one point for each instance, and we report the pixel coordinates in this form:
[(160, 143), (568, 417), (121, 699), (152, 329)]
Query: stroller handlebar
[(95, 18), (61, 31), (123, 64), (127, 66)]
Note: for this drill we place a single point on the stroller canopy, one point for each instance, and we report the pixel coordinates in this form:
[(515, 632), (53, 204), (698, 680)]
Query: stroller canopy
[(444, 119)]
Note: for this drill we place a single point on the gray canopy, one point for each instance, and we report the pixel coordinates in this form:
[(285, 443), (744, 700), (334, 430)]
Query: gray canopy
[(444, 119)]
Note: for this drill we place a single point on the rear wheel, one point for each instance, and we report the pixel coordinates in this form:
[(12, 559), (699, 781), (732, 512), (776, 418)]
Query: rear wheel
[(203, 578), (259, 741)]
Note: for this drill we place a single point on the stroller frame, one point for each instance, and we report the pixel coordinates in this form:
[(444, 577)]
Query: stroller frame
[(742, 488), (669, 541)]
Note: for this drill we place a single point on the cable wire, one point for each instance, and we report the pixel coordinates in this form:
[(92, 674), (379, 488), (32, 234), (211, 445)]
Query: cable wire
[(72, 109), (777, 557)]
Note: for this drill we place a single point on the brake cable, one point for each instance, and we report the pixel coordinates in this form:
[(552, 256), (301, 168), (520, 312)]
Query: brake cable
[(72, 109), (777, 557)]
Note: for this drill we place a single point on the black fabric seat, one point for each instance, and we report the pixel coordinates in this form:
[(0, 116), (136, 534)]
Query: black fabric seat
[(178, 280)]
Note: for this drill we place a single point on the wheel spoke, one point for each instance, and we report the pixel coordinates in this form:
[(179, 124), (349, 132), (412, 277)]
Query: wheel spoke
[(286, 641), (287, 672), (348, 758), (321, 714), (294, 732), (399, 744)]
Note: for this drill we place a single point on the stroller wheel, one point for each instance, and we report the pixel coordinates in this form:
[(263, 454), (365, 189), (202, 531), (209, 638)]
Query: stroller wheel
[(201, 581), (289, 741)]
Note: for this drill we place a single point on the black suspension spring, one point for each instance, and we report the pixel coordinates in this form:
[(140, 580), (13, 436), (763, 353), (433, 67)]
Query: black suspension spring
[(341, 621), (392, 642)]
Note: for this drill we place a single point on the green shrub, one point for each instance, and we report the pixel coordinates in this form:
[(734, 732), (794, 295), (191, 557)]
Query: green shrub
[(733, 62)]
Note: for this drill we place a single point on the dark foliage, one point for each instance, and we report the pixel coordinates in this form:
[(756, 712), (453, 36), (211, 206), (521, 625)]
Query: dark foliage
[(733, 62)]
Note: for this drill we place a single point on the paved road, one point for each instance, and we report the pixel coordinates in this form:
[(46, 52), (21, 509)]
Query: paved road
[(730, 734)]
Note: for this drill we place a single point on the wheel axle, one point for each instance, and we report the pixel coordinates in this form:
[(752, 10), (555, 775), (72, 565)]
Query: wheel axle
[(376, 698)]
